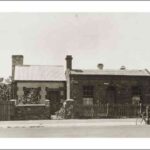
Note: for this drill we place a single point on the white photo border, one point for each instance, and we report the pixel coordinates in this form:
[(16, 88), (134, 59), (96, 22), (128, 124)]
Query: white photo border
[(74, 6)]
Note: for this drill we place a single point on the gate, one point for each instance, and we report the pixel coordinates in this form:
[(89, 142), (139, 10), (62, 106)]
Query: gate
[(6, 110)]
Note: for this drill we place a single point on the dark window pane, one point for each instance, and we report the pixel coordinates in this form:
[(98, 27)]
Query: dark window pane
[(88, 91)]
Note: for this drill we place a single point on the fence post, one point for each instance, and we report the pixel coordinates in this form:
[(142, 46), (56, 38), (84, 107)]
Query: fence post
[(12, 105), (13, 102), (107, 109), (148, 114), (140, 111)]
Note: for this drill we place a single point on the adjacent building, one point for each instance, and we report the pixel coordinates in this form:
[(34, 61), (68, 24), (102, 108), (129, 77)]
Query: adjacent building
[(101, 86)]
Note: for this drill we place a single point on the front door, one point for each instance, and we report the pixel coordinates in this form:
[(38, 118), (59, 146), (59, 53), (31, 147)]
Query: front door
[(111, 95), (54, 97)]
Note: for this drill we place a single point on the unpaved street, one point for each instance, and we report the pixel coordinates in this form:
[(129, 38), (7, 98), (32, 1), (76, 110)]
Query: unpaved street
[(74, 128), (102, 131)]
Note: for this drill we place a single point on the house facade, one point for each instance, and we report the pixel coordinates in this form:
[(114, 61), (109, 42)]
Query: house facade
[(33, 84), (101, 86)]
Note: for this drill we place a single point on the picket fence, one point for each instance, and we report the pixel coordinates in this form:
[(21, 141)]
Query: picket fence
[(107, 111), (7, 111)]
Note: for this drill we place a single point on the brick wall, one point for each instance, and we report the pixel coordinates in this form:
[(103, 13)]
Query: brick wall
[(123, 85)]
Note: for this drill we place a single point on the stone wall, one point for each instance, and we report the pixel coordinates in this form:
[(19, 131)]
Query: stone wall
[(123, 85), (32, 112)]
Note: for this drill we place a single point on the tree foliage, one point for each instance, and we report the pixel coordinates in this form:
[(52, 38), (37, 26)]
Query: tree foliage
[(5, 92)]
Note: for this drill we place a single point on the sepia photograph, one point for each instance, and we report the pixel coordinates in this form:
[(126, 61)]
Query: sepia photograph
[(74, 75)]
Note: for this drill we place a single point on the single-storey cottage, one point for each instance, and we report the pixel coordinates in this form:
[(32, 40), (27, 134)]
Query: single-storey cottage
[(101, 86), (33, 84)]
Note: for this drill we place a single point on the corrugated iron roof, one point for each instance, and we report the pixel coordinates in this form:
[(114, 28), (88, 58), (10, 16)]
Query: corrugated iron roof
[(125, 72), (39, 73)]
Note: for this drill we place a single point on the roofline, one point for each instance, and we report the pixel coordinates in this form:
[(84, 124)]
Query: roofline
[(110, 75), (39, 80), (26, 65), (147, 71)]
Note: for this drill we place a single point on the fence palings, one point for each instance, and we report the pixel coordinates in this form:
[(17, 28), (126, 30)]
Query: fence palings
[(107, 110), (6, 110)]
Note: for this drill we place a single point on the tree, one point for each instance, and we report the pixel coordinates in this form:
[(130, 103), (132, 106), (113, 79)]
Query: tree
[(5, 92)]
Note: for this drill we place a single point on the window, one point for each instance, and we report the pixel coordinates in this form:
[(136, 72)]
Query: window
[(136, 90), (88, 91)]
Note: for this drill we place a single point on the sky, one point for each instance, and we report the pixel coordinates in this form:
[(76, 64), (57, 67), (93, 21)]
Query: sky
[(114, 39)]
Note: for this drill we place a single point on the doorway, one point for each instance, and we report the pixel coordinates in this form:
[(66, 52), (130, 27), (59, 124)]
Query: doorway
[(54, 97), (111, 94)]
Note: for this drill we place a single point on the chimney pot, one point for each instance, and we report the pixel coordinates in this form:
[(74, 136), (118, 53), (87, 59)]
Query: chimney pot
[(100, 66), (122, 68)]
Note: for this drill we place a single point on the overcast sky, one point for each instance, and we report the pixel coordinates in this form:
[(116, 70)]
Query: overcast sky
[(114, 39)]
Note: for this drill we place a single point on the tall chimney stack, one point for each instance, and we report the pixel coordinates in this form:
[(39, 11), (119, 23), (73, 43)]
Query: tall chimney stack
[(17, 60), (69, 62)]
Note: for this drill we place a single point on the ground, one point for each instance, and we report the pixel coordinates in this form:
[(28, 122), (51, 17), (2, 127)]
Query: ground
[(75, 128), (102, 131)]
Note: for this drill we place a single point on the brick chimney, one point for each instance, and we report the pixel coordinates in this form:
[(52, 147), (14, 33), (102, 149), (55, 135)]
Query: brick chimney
[(68, 68), (68, 62), (17, 60)]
